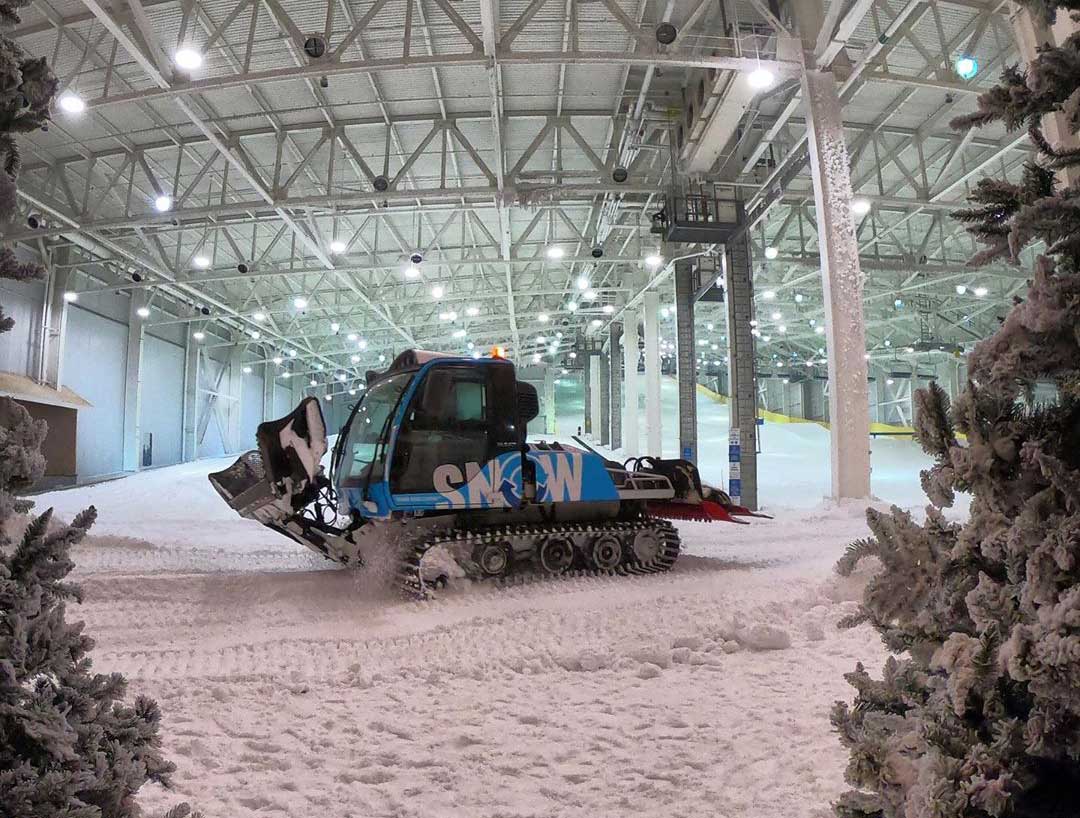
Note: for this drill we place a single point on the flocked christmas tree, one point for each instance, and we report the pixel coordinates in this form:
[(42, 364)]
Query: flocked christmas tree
[(978, 713), (69, 745)]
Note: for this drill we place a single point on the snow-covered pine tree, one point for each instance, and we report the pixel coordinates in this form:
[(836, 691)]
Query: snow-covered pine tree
[(69, 746), (979, 712), (27, 87)]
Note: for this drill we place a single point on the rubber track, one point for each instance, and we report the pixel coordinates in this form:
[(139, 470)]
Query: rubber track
[(413, 584)]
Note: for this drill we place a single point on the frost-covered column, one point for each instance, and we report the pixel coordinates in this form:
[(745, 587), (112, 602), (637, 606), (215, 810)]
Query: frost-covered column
[(603, 383), (630, 437), (653, 441), (549, 400), (268, 392), (1030, 34), (615, 334), (586, 384), (133, 382), (594, 395), (190, 438), (842, 283), (54, 321)]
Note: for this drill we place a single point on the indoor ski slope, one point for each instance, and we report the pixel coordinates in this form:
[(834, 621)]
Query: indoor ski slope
[(292, 688), (793, 467)]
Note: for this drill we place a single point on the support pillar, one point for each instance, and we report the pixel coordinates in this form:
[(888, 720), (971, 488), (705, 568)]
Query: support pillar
[(549, 400), (1030, 34), (615, 389), (586, 381), (604, 386), (596, 419), (234, 384), (653, 441), (630, 438), (686, 347), (54, 325), (190, 439), (133, 383), (842, 283), (268, 392), (742, 374)]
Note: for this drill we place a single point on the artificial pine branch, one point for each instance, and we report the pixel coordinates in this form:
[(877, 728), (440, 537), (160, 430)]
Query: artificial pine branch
[(69, 743), (985, 613)]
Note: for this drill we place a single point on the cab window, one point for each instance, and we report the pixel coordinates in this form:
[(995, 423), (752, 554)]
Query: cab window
[(447, 424)]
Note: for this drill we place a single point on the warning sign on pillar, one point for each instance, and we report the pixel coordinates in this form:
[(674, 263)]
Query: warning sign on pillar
[(735, 466)]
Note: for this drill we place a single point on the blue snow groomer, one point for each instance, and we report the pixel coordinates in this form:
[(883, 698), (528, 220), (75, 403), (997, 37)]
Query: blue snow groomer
[(433, 461)]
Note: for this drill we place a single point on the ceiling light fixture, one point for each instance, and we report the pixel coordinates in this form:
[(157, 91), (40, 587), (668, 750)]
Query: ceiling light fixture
[(555, 253), (966, 67), (300, 302), (860, 207), (771, 253), (338, 247), (437, 291), (761, 78), (163, 203), (188, 58), (202, 262), (72, 103)]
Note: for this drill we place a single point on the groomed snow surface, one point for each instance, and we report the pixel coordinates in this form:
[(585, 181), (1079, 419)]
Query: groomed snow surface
[(290, 687)]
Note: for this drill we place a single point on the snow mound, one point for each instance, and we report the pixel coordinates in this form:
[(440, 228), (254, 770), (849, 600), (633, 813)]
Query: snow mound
[(764, 637)]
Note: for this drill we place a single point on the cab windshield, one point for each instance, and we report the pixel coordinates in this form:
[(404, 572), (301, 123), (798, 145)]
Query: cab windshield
[(366, 427)]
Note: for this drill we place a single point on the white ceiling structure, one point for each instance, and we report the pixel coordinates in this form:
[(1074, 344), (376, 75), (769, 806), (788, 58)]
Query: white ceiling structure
[(284, 193)]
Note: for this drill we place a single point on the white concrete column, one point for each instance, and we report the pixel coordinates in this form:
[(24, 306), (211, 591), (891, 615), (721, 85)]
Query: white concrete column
[(269, 371), (54, 327), (549, 400), (594, 394), (630, 437), (653, 440), (190, 438), (842, 283), (133, 383)]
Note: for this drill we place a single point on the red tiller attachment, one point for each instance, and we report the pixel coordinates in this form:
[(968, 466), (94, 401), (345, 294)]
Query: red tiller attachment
[(706, 511)]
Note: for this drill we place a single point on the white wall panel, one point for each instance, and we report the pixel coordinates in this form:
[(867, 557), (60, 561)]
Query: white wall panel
[(162, 411), (251, 398), (95, 355), (283, 400), (21, 301)]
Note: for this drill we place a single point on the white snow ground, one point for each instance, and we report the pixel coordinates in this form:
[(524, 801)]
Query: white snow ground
[(291, 688)]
